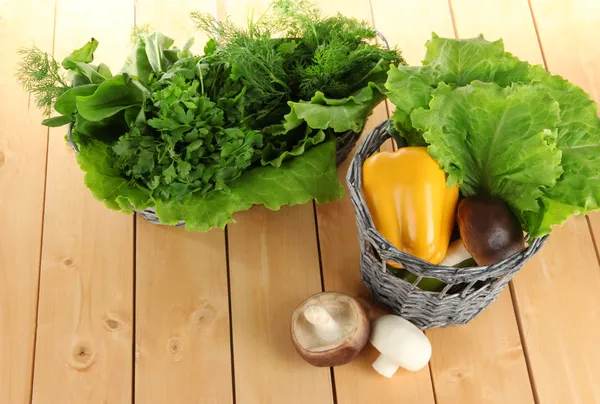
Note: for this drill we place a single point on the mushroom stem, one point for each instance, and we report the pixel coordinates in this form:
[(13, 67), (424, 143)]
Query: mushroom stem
[(384, 366), (456, 254), (327, 328)]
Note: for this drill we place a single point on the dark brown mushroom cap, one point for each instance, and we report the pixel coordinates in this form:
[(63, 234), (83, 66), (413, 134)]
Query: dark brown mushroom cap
[(354, 330), (489, 229)]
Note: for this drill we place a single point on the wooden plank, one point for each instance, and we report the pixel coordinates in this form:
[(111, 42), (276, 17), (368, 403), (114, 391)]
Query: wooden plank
[(557, 300), (484, 360), (84, 342), (182, 316), (274, 265), (23, 144), (558, 296), (182, 310), (357, 382), (175, 22), (583, 64), (594, 220)]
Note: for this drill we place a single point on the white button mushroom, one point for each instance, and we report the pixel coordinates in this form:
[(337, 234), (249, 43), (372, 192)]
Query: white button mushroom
[(329, 329), (400, 343)]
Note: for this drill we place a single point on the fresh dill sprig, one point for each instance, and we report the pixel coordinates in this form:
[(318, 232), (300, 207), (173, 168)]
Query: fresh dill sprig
[(39, 74), (138, 31), (290, 52)]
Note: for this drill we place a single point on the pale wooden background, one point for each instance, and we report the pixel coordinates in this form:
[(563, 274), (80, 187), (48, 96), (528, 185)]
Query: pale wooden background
[(100, 307)]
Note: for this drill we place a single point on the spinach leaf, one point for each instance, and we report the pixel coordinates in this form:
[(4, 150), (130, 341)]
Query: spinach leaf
[(56, 121), (66, 103), (112, 96), (156, 44)]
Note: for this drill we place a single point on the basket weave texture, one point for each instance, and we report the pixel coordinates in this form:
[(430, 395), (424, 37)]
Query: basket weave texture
[(468, 290)]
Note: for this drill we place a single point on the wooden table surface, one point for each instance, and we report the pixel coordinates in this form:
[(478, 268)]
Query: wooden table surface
[(100, 307)]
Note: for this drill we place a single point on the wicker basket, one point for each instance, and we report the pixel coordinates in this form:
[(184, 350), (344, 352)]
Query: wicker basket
[(345, 144), (468, 290)]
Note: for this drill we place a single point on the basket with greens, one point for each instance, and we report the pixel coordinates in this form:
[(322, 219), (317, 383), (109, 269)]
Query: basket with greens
[(501, 153), (256, 119)]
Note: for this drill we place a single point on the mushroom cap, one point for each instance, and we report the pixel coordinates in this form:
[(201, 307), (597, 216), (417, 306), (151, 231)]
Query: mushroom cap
[(489, 229), (354, 330), (401, 342)]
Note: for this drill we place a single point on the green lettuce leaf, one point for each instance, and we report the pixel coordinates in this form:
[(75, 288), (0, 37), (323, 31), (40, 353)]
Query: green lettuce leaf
[(578, 189), (106, 183), (409, 88), (494, 140), (341, 115), (311, 139), (456, 61), (297, 181), (459, 63)]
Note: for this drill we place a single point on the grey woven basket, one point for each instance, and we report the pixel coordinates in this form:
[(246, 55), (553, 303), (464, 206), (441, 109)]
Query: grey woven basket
[(468, 290), (345, 144)]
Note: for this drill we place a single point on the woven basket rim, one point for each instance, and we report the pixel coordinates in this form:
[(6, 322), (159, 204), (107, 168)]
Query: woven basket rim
[(388, 252)]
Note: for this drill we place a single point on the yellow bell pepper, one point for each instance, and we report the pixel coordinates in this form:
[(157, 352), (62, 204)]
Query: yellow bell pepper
[(407, 196)]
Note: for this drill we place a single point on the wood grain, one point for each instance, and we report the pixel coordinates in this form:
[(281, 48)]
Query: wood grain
[(274, 266), (84, 342), (357, 382), (182, 309), (558, 302), (558, 296), (582, 64), (175, 22), (484, 360), (23, 143), (594, 221), (182, 320)]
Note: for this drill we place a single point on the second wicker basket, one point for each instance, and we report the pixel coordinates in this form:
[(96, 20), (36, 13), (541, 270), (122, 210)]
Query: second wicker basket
[(468, 290)]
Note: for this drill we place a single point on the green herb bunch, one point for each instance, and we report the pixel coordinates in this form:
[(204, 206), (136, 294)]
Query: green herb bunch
[(292, 52), (40, 75), (255, 119), (185, 147)]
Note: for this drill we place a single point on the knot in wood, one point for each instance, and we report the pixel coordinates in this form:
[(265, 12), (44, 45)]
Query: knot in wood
[(204, 316), (83, 356), (175, 348), (112, 324)]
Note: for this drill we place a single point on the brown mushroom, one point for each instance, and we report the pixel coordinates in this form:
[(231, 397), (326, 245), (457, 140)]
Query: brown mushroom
[(489, 229), (329, 329)]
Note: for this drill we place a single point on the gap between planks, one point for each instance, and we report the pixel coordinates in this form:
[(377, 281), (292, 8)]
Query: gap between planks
[(39, 277), (595, 241), (510, 285), (316, 219), (231, 348)]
